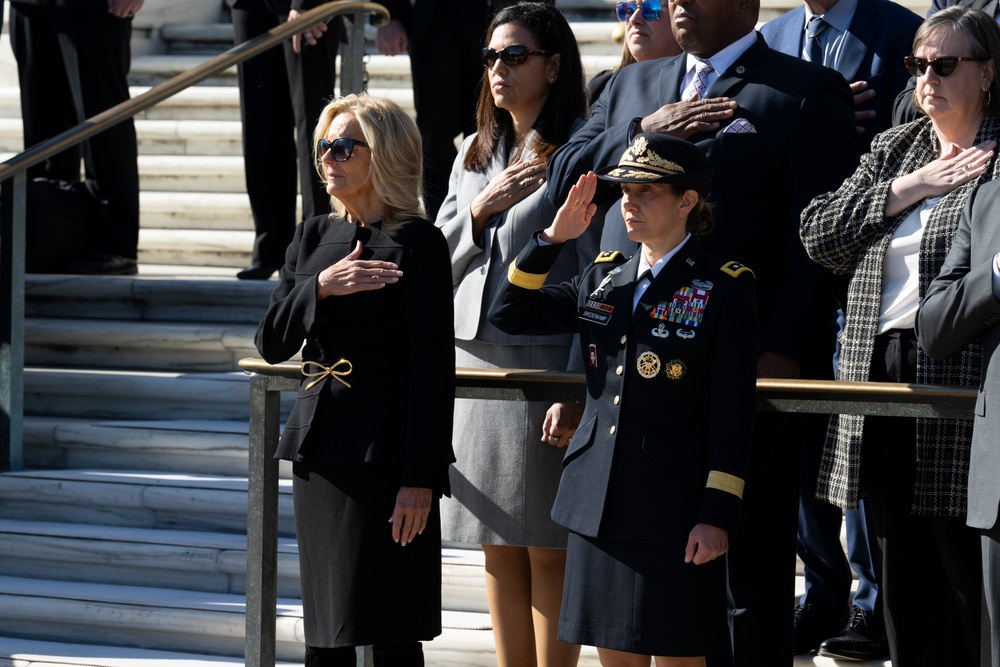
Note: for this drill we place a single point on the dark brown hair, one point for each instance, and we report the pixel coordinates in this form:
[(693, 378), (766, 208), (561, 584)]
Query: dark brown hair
[(566, 102)]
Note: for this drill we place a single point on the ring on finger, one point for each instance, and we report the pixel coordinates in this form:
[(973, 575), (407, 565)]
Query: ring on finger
[(965, 169), (554, 437), (524, 182)]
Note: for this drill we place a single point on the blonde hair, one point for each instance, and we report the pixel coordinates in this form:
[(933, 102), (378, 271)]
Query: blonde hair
[(397, 154)]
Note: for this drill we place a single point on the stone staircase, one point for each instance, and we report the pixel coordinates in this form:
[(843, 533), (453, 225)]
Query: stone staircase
[(123, 542)]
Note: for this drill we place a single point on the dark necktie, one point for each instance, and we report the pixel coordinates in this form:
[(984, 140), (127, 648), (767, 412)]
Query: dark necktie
[(814, 49)]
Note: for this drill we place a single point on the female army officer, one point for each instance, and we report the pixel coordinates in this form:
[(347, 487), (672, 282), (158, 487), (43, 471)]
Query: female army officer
[(653, 478)]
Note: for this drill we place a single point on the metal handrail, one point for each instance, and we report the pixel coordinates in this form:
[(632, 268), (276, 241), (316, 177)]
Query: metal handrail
[(268, 380), (12, 218)]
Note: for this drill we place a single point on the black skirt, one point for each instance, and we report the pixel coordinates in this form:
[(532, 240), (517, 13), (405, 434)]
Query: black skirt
[(358, 586), (643, 598)]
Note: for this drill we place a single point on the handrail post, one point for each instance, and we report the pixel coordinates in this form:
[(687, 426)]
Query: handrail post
[(352, 59), (262, 523), (12, 232)]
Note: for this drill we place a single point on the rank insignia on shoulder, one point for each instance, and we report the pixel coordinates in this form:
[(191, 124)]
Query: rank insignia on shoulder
[(735, 269), (609, 256)]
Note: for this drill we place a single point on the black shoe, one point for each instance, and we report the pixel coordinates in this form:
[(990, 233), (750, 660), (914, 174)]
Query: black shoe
[(811, 627), (257, 272), (104, 265), (857, 641)]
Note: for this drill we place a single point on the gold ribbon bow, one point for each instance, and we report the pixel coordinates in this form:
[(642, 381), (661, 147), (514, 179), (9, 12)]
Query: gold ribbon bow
[(332, 371)]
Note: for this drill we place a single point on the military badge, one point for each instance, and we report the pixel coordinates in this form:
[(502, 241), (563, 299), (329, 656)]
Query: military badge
[(675, 369), (661, 311), (686, 334), (648, 365), (688, 304), (661, 331)]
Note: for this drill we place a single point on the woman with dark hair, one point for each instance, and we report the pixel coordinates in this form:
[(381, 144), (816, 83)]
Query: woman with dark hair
[(504, 480), (889, 228), (366, 290), (652, 483)]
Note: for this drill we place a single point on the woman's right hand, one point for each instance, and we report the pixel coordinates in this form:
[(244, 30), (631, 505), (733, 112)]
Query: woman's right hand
[(351, 275), (573, 217), (939, 177), (507, 188)]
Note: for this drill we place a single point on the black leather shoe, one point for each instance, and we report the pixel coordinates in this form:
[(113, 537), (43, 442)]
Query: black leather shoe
[(104, 265), (812, 627), (857, 641), (257, 272)]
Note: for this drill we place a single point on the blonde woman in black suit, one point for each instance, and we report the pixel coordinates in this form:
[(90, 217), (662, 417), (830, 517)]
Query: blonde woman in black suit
[(368, 290), (889, 228)]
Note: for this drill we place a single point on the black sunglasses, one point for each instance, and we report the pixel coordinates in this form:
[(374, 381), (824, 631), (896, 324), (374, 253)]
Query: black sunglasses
[(650, 10), (341, 148), (511, 55), (942, 66)]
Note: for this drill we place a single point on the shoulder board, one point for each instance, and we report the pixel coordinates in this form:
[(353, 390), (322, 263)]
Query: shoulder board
[(609, 256), (735, 269)]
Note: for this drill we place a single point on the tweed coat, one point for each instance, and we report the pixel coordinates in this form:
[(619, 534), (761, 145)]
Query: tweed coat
[(847, 231)]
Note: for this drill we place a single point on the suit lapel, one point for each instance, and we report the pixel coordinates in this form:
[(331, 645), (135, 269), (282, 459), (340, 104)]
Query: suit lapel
[(671, 75), (859, 34), (744, 68), (789, 39)]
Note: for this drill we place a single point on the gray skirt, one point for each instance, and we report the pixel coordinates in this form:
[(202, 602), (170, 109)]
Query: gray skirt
[(505, 478)]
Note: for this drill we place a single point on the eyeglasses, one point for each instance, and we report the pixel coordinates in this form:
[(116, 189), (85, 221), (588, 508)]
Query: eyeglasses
[(341, 148), (942, 66), (510, 55), (650, 10)]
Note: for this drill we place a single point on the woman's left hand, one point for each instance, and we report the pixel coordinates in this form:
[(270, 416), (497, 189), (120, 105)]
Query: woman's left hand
[(706, 543), (561, 420), (409, 518)]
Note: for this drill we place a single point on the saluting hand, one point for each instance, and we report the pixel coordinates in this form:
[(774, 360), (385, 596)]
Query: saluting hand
[(351, 275), (573, 217), (409, 518), (691, 116), (706, 543)]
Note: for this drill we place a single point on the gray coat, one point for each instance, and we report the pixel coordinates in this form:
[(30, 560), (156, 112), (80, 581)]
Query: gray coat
[(848, 232), (960, 308)]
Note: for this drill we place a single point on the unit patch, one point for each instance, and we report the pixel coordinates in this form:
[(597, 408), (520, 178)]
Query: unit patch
[(592, 355)]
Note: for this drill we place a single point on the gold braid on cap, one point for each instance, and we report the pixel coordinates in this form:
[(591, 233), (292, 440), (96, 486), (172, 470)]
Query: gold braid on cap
[(640, 155)]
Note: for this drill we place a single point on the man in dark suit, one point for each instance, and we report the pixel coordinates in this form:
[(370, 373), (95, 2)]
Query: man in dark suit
[(73, 59), (961, 305), (444, 39), (866, 41), (784, 135), (282, 92)]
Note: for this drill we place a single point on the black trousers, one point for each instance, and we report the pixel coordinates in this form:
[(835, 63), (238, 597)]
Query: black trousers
[(72, 64), (931, 572), (409, 654), (281, 96), (446, 67)]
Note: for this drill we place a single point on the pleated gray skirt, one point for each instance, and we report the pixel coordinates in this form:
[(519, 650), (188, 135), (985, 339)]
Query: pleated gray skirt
[(358, 586)]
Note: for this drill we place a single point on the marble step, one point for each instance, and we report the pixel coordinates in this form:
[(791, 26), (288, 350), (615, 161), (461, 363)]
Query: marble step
[(153, 346), (207, 247), (172, 620), (124, 394), (218, 211), (136, 499), (186, 560), (153, 298), (16, 652), (200, 446)]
